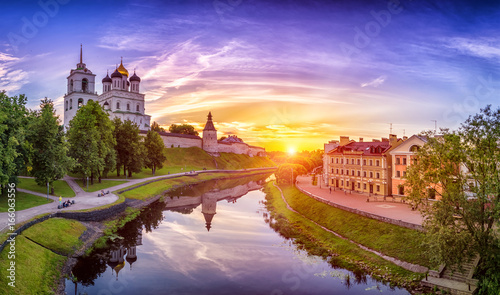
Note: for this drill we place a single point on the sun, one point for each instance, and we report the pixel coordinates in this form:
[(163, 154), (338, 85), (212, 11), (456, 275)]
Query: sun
[(291, 151)]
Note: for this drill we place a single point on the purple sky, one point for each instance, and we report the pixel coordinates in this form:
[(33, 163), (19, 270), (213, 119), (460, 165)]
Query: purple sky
[(280, 74)]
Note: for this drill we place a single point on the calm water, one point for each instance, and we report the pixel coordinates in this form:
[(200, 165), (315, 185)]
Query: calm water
[(212, 238)]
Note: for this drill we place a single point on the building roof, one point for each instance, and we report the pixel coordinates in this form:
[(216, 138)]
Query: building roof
[(231, 139), (122, 69), (116, 74), (106, 79), (364, 148), (135, 78), (210, 125)]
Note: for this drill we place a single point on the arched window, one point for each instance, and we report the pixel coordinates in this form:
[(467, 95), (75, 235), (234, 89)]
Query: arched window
[(80, 102), (71, 85), (66, 105), (137, 108), (414, 148), (128, 107), (118, 105), (70, 104), (85, 85)]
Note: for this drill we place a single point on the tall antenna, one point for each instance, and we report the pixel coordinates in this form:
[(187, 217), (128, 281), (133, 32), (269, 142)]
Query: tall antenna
[(435, 125), (390, 128)]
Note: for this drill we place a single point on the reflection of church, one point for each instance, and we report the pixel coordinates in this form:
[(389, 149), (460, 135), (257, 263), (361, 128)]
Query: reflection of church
[(117, 260), (208, 206)]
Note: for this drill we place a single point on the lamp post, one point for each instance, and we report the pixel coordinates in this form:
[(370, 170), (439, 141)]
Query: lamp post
[(47, 190)]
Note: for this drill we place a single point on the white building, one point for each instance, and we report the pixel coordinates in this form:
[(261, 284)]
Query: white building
[(120, 95)]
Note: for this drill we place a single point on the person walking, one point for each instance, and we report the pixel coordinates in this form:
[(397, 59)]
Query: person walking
[(330, 190), (60, 201)]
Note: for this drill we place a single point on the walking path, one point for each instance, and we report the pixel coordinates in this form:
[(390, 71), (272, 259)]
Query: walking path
[(393, 210), (83, 199)]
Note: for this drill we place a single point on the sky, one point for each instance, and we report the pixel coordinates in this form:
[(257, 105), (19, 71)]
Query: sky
[(285, 75)]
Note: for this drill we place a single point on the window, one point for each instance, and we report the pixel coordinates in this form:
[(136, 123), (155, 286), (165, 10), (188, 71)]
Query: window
[(359, 161), (346, 172), (341, 161), (377, 163), (359, 185), (371, 174), (364, 162), (398, 161), (404, 161), (332, 170), (66, 105), (85, 85), (378, 175), (414, 148), (71, 85), (341, 183), (118, 105), (359, 173), (332, 160), (432, 193), (137, 108), (336, 160), (371, 162), (352, 161), (337, 171), (352, 172), (342, 171), (364, 185), (347, 183), (401, 189), (364, 173), (398, 173), (404, 173), (128, 107), (70, 104), (80, 102), (378, 188)]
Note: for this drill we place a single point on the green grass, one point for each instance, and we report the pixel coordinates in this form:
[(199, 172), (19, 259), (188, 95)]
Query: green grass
[(98, 186), (59, 234), (399, 242), (37, 269), (23, 201), (229, 161), (342, 253), (61, 188)]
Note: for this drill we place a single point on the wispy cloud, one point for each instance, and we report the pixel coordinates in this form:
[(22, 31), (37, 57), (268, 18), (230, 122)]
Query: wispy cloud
[(376, 82), (480, 47), (11, 78)]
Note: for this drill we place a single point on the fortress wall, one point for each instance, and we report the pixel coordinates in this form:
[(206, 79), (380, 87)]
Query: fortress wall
[(182, 142)]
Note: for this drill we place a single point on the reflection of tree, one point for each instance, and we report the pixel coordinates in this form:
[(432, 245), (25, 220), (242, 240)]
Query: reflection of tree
[(182, 210), (89, 268)]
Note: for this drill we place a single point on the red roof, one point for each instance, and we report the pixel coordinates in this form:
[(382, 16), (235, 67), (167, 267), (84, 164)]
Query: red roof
[(368, 148)]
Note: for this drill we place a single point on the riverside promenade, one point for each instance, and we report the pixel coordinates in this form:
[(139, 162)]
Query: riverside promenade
[(388, 209), (88, 200)]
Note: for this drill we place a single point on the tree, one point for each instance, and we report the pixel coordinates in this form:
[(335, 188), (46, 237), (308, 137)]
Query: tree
[(156, 127), (155, 154), (182, 129), (129, 147), (14, 149), (462, 168), (91, 141), (284, 173), (50, 160)]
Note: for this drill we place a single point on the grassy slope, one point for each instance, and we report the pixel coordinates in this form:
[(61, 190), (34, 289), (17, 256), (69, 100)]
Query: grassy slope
[(399, 242), (98, 186), (23, 201), (37, 268), (58, 234), (342, 253), (61, 188)]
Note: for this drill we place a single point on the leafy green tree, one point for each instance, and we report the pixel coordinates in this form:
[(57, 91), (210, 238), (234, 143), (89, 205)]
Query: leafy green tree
[(462, 169), (182, 129), (155, 151), (91, 141), (129, 147), (50, 148), (285, 173), (156, 127), (14, 149)]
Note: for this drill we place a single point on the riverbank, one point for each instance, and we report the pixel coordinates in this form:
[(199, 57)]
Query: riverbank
[(302, 227)]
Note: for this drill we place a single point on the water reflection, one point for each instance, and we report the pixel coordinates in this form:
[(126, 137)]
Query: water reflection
[(221, 247)]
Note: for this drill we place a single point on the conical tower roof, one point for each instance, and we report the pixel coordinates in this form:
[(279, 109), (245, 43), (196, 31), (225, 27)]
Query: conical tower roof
[(210, 125)]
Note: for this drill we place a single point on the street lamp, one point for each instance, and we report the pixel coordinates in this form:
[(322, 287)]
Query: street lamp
[(47, 190)]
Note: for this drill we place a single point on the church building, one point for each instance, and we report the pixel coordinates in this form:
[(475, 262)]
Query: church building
[(120, 98)]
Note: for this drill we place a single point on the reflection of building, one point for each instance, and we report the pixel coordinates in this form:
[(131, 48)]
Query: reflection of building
[(117, 260), (208, 207)]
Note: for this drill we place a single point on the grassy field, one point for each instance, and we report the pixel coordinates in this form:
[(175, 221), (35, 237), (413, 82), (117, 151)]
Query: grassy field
[(399, 242), (98, 186), (58, 234), (61, 188), (38, 268), (23, 201), (341, 253), (193, 158)]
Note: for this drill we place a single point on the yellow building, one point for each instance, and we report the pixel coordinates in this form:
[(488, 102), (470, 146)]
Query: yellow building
[(363, 167)]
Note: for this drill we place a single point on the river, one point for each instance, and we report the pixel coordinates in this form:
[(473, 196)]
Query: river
[(211, 238)]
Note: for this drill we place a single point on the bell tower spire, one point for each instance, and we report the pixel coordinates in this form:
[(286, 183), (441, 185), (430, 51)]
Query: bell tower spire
[(81, 59), (81, 65)]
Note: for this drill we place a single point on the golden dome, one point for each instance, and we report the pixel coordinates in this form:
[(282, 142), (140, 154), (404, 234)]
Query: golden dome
[(122, 69)]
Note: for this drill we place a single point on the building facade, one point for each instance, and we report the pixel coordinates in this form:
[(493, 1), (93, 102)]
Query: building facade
[(363, 167), (120, 98)]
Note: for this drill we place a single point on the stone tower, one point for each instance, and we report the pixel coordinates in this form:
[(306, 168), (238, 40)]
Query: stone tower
[(210, 137)]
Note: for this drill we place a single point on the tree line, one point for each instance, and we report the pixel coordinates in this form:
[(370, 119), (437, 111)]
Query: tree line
[(34, 143)]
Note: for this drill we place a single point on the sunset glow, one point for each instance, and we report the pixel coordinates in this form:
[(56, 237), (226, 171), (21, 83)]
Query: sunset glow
[(270, 71)]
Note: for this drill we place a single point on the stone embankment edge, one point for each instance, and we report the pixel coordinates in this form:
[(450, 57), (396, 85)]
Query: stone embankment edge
[(364, 213), (406, 265)]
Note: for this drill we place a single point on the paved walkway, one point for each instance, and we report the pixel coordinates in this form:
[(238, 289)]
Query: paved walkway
[(393, 210), (83, 199)]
